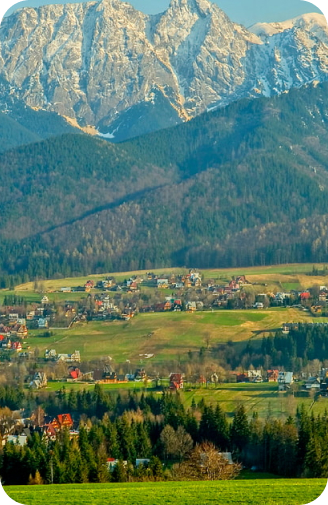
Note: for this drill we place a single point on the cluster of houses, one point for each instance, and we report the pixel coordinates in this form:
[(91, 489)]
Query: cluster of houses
[(318, 383), (12, 332), (40, 316), (48, 428), (284, 379), (6, 344), (51, 354), (16, 327)]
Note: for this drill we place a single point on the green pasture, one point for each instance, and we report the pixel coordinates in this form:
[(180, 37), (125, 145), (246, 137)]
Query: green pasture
[(288, 286), (164, 334), (262, 398), (78, 386), (289, 269), (238, 492)]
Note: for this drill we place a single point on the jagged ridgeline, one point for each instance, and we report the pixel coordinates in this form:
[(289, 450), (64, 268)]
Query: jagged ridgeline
[(124, 73), (243, 185)]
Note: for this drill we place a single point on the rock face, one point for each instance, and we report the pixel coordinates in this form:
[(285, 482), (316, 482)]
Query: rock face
[(106, 64)]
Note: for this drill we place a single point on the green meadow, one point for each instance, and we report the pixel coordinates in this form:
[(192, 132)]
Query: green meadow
[(167, 335), (238, 492)]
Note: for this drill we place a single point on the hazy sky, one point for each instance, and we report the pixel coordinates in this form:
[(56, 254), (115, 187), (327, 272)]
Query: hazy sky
[(245, 12)]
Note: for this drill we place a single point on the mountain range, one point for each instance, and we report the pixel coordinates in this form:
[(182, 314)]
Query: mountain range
[(121, 73), (130, 141)]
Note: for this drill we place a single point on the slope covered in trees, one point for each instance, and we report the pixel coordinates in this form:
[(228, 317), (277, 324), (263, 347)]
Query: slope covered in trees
[(245, 185)]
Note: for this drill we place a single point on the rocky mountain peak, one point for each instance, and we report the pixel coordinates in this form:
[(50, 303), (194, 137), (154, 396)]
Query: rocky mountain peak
[(105, 63), (311, 22), (202, 6)]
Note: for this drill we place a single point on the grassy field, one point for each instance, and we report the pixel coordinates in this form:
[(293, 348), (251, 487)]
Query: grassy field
[(262, 398), (164, 334), (238, 492)]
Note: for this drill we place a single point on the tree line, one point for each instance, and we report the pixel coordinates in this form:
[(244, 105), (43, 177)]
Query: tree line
[(162, 430)]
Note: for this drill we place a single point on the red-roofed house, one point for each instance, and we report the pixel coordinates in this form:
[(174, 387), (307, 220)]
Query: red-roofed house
[(16, 346), (74, 373), (62, 421), (273, 375), (176, 381)]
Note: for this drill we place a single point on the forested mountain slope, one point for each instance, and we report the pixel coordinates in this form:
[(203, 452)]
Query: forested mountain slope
[(233, 186)]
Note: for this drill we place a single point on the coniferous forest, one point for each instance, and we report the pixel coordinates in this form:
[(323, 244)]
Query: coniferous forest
[(162, 431)]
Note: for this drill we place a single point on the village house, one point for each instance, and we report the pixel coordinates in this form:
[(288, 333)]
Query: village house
[(200, 380), (50, 354), (75, 357), (74, 373), (112, 462), (62, 421), (22, 331), (168, 305), (89, 285), (312, 383), (30, 315), (191, 306), (254, 375), (39, 380), (176, 381), (140, 374), (285, 380), (272, 375), (242, 377), (16, 346), (42, 323), (162, 283), (177, 305), (5, 343)]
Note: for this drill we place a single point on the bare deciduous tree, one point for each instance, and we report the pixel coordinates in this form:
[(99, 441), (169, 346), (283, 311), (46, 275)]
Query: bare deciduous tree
[(206, 463)]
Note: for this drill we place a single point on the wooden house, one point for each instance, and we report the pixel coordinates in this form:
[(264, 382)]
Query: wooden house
[(176, 381)]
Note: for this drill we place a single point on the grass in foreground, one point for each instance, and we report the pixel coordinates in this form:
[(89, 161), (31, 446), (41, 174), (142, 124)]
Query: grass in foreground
[(239, 492)]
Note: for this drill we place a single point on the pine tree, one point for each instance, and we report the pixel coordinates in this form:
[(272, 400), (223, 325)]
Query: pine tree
[(239, 431)]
